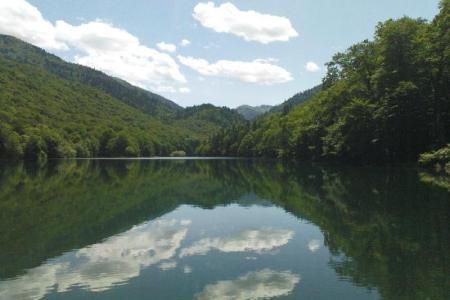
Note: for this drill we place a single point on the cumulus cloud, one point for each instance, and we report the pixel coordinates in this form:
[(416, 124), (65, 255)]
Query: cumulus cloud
[(167, 47), (312, 67), (184, 90), (22, 20), (249, 25), (261, 71), (97, 44), (185, 43), (245, 241), (263, 284), (119, 53), (104, 265)]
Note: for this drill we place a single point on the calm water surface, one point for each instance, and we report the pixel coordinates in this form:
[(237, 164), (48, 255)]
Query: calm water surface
[(221, 229)]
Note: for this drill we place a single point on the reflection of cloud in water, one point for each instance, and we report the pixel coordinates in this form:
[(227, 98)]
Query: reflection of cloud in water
[(187, 270), (314, 245), (262, 284), (101, 266), (247, 240), (168, 265)]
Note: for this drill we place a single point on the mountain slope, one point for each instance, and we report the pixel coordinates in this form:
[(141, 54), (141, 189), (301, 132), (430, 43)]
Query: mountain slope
[(206, 119), (45, 116), (21, 52), (297, 99), (51, 108), (252, 112)]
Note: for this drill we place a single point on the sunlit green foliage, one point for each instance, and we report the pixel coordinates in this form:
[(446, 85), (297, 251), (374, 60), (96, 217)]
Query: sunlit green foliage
[(53, 109)]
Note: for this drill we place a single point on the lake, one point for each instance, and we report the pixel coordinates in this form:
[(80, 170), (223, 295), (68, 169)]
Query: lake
[(221, 229)]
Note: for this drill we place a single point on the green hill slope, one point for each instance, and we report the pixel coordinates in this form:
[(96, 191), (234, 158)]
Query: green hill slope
[(43, 115), (51, 109), (297, 99), (21, 52)]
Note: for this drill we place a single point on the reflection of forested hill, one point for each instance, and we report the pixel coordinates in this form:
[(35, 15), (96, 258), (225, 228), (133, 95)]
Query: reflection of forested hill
[(390, 227)]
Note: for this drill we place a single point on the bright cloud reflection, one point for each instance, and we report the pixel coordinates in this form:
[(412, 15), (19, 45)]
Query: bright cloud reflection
[(314, 245), (104, 265), (262, 284), (247, 240)]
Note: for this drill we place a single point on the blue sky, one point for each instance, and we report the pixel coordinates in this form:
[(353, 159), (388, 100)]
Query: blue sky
[(233, 56)]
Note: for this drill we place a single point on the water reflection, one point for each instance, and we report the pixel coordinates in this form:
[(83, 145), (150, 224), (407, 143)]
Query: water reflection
[(314, 245), (70, 228), (263, 284), (247, 240), (104, 265)]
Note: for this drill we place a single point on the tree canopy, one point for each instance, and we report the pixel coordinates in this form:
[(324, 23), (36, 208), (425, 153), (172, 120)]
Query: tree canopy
[(381, 100)]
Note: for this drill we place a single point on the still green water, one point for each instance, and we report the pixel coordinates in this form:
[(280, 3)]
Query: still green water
[(221, 229)]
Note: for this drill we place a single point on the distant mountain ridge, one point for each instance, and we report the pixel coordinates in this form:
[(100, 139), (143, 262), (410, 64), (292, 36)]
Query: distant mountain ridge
[(252, 112)]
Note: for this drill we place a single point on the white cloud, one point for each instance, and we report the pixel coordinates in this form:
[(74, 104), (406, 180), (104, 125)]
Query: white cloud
[(247, 240), (97, 44), (22, 20), (119, 53), (257, 71), (312, 67), (185, 43), (263, 284), (249, 25), (184, 90), (167, 47), (104, 265)]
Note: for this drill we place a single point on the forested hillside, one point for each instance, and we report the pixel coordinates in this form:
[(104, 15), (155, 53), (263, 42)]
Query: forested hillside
[(381, 100), (53, 109), (386, 99), (297, 99), (23, 53)]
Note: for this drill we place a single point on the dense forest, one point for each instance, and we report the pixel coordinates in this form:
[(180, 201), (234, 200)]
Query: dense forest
[(381, 100), (54, 109)]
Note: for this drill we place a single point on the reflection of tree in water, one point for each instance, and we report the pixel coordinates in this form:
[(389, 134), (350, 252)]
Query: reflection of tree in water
[(392, 230), (386, 229)]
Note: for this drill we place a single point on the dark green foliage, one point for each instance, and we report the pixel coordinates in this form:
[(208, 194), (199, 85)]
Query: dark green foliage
[(381, 100), (204, 119)]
